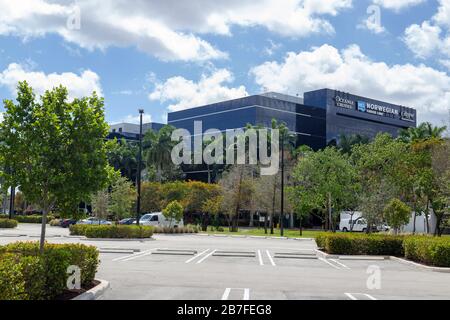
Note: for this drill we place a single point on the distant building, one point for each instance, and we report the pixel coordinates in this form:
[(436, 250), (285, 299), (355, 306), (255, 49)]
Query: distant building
[(130, 130), (317, 119)]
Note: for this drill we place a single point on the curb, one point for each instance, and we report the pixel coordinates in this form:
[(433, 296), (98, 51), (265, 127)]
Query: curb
[(94, 293), (325, 255), (421, 266), (115, 239), (218, 235)]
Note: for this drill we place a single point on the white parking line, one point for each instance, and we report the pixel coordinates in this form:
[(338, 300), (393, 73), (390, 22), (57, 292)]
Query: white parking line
[(227, 291), (196, 256), (270, 258), (352, 296), (143, 254), (130, 255), (341, 264), (329, 263), (261, 263), (205, 257)]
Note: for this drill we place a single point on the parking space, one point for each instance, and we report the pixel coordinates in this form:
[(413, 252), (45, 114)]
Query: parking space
[(229, 268)]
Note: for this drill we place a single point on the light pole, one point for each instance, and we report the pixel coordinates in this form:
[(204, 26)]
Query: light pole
[(138, 202), (282, 187)]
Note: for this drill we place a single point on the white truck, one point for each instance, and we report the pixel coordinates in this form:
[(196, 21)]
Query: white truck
[(158, 219), (352, 221)]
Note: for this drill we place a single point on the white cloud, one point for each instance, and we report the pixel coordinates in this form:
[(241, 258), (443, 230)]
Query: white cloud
[(135, 119), (421, 87), (397, 5), (432, 38), (445, 63), (78, 85), (372, 26), (423, 40), (187, 94), (442, 17), (167, 29)]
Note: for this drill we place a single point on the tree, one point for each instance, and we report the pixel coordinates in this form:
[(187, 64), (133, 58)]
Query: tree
[(173, 211), (54, 148), (397, 214), (237, 192), (212, 207), (423, 132), (100, 204), (324, 179), (346, 142), (158, 146), (151, 197), (122, 156), (122, 198), (380, 167)]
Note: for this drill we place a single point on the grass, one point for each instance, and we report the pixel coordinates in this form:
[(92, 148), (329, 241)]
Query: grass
[(290, 233)]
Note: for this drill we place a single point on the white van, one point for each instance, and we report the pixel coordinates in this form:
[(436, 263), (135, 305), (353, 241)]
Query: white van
[(158, 219), (359, 225)]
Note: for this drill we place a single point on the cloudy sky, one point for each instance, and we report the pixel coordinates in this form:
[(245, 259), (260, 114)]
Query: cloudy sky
[(177, 54)]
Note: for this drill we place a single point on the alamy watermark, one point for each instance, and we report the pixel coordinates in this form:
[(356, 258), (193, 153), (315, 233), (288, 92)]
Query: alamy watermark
[(374, 280), (74, 19), (74, 279), (236, 146)]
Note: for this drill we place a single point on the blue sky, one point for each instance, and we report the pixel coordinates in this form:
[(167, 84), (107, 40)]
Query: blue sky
[(163, 55)]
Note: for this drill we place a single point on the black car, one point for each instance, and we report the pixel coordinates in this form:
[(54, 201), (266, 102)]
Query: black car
[(127, 221), (67, 222)]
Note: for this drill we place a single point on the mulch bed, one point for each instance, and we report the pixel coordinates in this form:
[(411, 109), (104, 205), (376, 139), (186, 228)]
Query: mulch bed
[(70, 294)]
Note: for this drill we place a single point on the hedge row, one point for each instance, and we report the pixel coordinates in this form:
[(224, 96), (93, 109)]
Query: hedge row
[(428, 250), (27, 275), (188, 229), (360, 244), (111, 231), (27, 219), (8, 223)]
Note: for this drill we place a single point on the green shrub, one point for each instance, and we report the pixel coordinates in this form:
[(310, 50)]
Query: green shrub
[(429, 250), (112, 231), (30, 275), (360, 244), (28, 219), (8, 223), (170, 230)]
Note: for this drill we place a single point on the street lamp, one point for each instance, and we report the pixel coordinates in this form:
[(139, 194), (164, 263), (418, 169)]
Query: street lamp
[(282, 187), (138, 203)]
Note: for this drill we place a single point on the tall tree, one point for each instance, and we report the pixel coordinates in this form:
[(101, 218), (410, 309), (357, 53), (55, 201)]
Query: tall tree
[(122, 198), (54, 147)]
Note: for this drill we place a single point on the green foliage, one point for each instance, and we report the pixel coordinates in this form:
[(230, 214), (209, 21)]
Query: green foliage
[(321, 179), (428, 250), (173, 211), (8, 224), (122, 198), (35, 276), (122, 156), (360, 244), (27, 219), (54, 147), (112, 231), (187, 229), (100, 204), (397, 214), (151, 197)]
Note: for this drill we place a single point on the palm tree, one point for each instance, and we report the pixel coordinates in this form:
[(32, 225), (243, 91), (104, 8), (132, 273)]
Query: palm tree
[(346, 142), (158, 147), (424, 131)]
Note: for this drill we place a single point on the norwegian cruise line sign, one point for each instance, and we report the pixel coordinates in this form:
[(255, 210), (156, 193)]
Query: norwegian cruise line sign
[(377, 109)]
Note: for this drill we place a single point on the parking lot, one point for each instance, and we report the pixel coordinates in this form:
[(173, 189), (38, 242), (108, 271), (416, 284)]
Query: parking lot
[(196, 267)]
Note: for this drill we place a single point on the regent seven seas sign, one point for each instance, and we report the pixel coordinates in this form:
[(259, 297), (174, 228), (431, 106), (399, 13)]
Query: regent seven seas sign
[(373, 108)]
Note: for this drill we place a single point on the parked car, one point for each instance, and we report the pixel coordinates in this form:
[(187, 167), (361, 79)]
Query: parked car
[(158, 219), (127, 221), (93, 220), (65, 223)]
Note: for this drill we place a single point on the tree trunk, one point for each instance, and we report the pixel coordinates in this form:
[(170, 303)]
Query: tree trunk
[(251, 220), (330, 218), (427, 212), (43, 226), (265, 223), (301, 227), (414, 218)]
